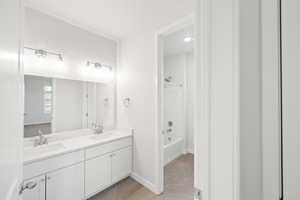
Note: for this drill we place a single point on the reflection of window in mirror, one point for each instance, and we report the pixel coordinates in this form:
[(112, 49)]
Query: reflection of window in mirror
[(38, 105), (48, 99)]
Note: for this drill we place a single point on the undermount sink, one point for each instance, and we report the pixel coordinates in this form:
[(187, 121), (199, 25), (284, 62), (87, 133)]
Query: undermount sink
[(101, 136), (46, 148)]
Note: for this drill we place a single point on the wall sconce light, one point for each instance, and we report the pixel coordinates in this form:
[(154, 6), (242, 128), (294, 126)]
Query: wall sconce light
[(43, 53), (98, 65)]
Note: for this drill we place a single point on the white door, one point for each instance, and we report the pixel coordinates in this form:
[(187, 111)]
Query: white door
[(121, 164), (97, 174), (36, 189), (11, 115), (291, 98), (65, 184)]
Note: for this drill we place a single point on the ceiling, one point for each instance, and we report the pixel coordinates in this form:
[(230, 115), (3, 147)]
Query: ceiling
[(174, 43), (116, 18)]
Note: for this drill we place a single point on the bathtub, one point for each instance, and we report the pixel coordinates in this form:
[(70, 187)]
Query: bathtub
[(173, 150)]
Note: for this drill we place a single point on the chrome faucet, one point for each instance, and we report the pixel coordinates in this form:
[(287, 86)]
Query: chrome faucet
[(41, 139), (98, 128)]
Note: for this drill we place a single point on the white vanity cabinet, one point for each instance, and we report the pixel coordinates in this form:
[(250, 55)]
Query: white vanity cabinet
[(66, 183), (106, 165), (97, 174), (80, 174), (121, 164), (38, 190)]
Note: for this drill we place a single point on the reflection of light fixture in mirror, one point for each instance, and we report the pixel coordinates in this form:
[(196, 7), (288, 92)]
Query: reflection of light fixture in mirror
[(98, 65), (40, 53), (126, 102), (43, 53)]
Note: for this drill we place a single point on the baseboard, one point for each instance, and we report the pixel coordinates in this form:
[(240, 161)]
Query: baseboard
[(145, 183)]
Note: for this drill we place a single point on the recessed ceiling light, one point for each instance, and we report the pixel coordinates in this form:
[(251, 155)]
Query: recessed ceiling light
[(188, 39)]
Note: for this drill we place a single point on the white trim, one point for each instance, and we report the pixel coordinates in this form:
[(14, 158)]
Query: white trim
[(271, 99), (202, 100), (54, 96), (116, 70), (236, 101), (185, 107), (82, 26), (159, 148), (189, 150), (22, 99), (180, 24), (205, 140), (152, 187)]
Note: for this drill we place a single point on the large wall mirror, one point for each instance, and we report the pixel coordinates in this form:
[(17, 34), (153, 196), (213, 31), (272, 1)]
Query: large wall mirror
[(55, 105)]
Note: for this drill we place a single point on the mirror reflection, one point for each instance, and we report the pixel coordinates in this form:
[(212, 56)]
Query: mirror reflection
[(56, 105)]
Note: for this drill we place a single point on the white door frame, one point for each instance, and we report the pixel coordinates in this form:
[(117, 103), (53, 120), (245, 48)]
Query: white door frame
[(217, 153), (181, 24), (271, 124)]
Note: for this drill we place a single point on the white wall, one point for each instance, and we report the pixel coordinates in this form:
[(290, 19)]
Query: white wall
[(174, 98), (174, 66), (76, 45), (68, 105), (189, 101), (105, 107), (11, 106), (250, 101), (101, 105), (180, 68), (137, 80)]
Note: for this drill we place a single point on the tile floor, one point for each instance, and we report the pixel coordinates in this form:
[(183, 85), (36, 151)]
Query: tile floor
[(179, 176)]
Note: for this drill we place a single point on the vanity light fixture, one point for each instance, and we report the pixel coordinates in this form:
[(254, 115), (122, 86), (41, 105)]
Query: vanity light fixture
[(98, 65), (44, 53)]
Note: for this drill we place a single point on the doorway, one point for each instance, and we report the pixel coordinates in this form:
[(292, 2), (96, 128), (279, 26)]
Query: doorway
[(176, 59)]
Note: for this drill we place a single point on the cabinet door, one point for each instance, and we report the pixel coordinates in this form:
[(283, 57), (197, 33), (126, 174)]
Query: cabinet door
[(121, 164), (66, 183), (38, 190), (97, 174)]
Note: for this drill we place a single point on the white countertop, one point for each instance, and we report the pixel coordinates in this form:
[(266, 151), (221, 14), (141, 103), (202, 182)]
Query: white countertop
[(65, 143)]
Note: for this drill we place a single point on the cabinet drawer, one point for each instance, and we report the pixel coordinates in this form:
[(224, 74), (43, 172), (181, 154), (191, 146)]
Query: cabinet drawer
[(50, 164), (106, 148)]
